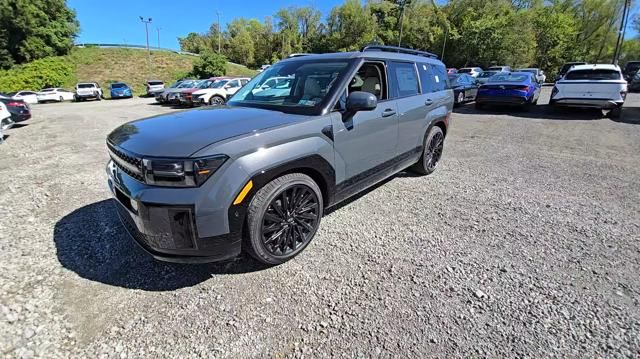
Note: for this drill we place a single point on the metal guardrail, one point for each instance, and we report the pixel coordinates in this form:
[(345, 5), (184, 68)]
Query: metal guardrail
[(136, 47)]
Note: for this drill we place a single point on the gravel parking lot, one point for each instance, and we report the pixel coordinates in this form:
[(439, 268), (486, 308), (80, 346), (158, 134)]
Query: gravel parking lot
[(525, 243)]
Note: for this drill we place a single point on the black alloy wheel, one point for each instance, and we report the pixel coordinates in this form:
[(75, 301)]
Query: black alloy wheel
[(290, 220), (433, 152)]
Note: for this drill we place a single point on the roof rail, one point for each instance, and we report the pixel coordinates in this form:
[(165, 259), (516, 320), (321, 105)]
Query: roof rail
[(401, 50), (298, 55)]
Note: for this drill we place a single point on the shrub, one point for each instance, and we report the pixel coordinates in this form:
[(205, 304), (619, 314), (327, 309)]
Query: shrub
[(209, 64), (47, 72)]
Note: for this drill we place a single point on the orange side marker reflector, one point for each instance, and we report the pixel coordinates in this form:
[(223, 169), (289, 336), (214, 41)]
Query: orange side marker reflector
[(204, 172), (244, 192)]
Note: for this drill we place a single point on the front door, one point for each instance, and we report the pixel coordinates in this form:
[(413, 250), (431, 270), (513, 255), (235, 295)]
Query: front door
[(365, 141)]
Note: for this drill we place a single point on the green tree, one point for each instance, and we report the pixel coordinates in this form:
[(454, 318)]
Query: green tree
[(195, 43), (33, 29), (351, 26), (210, 64)]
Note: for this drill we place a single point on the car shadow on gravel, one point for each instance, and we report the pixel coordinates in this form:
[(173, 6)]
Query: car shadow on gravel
[(91, 242), (539, 112)]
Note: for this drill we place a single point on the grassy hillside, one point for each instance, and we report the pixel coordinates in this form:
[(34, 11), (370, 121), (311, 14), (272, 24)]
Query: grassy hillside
[(103, 66), (133, 66)]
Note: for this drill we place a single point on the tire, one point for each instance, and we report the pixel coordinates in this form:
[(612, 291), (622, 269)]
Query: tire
[(275, 235), (216, 100), (616, 113), (432, 147), (61, 99)]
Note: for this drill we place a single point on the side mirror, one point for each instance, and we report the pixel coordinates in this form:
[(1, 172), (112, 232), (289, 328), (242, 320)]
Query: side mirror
[(361, 101)]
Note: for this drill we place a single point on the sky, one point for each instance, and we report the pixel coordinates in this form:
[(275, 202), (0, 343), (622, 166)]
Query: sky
[(117, 21)]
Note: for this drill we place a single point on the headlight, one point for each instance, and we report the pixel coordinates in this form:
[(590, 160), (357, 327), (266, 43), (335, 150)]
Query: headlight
[(181, 173)]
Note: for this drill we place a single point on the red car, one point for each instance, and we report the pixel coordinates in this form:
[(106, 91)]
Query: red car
[(185, 97)]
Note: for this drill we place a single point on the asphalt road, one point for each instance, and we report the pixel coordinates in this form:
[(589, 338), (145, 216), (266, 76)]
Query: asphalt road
[(524, 243)]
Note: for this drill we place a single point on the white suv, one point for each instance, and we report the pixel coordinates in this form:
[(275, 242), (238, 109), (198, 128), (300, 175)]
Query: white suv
[(591, 86), (85, 90), (220, 91)]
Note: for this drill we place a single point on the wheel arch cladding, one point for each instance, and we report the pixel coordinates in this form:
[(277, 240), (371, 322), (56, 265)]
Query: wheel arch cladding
[(314, 166)]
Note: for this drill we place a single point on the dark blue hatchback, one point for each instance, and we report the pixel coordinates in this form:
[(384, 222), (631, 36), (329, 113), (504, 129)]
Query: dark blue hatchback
[(509, 88)]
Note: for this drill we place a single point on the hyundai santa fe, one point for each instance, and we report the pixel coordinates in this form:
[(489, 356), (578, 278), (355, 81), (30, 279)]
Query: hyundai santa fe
[(257, 173)]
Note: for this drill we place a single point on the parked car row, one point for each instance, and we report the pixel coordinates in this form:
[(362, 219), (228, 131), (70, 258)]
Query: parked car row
[(189, 92)]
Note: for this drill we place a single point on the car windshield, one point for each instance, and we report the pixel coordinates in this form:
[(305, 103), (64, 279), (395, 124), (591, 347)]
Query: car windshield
[(465, 71), (599, 74), (155, 83), (633, 67), (309, 82), (204, 84), (487, 74), (85, 86), (509, 78), (46, 90), (118, 86), (219, 84), (186, 84)]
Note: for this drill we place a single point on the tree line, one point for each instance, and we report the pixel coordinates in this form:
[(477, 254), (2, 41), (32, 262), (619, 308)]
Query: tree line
[(463, 32)]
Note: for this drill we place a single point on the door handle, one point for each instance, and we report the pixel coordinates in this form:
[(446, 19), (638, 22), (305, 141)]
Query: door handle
[(388, 112), (428, 102)]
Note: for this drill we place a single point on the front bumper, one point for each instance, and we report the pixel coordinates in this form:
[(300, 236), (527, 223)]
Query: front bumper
[(169, 232), (606, 104), (87, 95), (120, 94)]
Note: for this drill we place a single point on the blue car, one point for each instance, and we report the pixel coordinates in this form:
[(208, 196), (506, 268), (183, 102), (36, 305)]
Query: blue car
[(120, 90), (509, 88)]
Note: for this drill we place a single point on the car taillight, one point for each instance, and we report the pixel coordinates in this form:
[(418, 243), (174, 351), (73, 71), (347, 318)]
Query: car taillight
[(523, 88), (15, 104)]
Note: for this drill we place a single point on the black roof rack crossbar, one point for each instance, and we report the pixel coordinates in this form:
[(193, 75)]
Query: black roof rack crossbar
[(401, 50)]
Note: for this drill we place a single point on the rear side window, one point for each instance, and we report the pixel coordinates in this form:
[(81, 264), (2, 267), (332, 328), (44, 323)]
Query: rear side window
[(593, 75), (426, 78), (404, 80), (440, 78)]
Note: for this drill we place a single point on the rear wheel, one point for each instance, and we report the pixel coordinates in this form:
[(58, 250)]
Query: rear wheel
[(216, 100), (616, 112), (432, 148), (61, 99), (283, 218)]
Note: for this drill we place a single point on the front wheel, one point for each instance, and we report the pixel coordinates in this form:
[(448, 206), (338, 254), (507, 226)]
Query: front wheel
[(283, 218), (216, 100), (61, 99), (432, 148), (460, 98)]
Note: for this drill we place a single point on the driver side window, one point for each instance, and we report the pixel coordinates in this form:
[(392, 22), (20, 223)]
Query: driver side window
[(371, 77)]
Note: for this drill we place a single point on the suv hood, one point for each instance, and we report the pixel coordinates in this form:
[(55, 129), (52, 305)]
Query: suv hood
[(182, 134)]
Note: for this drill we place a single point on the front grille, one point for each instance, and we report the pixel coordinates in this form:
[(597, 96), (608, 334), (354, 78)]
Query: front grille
[(127, 163)]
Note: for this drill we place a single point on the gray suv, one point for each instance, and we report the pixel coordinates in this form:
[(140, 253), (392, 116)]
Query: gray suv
[(257, 173)]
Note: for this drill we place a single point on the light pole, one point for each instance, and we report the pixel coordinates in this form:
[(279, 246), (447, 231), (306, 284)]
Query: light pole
[(444, 44), (158, 29), (146, 29), (219, 31), (621, 33)]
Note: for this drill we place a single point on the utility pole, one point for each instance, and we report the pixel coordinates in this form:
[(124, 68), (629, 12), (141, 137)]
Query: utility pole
[(404, 2), (621, 33), (219, 31), (158, 29), (444, 44)]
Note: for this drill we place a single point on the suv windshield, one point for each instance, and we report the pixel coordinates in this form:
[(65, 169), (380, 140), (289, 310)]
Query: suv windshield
[(593, 75), (86, 86), (118, 86), (154, 83), (509, 78), (487, 74), (309, 82)]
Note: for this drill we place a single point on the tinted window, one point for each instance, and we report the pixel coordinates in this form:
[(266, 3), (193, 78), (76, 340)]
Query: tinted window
[(509, 78), (155, 83), (118, 86), (426, 77), (440, 79), (593, 75), (465, 71), (85, 86), (404, 81)]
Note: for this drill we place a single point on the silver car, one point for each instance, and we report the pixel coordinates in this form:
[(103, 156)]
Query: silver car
[(258, 173)]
